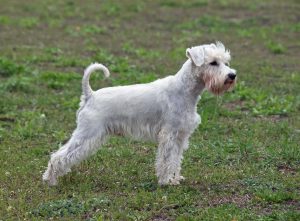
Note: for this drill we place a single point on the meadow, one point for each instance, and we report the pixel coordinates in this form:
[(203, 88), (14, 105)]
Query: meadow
[(244, 159)]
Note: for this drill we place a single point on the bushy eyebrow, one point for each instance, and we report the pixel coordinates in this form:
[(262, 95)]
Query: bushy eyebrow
[(219, 60)]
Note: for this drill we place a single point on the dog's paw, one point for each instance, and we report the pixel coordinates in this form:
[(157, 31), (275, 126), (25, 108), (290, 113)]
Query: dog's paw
[(174, 182), (180, 178), (50, 181), (171, 181), (49, 178)]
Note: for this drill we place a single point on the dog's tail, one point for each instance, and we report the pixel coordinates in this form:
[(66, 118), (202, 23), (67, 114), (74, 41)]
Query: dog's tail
[(86, 88)]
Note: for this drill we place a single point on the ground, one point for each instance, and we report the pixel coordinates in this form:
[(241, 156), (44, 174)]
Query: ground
[(244, 159)]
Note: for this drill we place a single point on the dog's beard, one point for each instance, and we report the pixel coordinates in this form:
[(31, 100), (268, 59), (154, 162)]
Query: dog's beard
[(217, 85)]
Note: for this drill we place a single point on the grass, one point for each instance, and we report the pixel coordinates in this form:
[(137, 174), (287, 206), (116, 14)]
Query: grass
[(243, 161)]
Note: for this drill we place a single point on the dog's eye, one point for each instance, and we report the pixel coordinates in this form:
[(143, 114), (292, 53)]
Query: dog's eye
[(227, 64), (214, 63)]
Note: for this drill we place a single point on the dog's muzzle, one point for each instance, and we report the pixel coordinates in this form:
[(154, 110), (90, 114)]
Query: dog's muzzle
[(230, 78)]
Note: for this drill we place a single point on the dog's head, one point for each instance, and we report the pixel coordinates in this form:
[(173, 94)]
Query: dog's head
[(212, 66)]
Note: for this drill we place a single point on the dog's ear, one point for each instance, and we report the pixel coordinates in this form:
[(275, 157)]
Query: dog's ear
[(196, 54)]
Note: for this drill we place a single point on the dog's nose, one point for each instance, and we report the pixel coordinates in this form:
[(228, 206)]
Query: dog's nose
[(231, 76)]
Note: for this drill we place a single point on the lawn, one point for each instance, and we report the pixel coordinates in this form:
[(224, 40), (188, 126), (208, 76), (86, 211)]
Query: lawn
[(244, 159)]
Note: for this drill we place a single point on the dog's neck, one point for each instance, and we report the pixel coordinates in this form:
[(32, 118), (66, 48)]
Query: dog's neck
[(188, 76)]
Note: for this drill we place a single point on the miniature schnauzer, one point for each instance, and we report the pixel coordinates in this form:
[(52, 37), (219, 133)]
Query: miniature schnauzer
[(163, 111)]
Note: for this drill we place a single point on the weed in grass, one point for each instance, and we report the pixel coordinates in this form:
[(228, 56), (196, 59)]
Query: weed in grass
[(4, 20), (136, 7), (261, 103), (105, 57), (276, 48), (184, 4), (59, 59), (9, 68), (86, 30), (245, 33), (71, 10), (18, 84), (56, 80), (54, 51), (6, 105), (55, 22), (110, 8), (70, 207), (71, 103), (211, 23), (140, 52), (30, 22), (30, 125), (73, 31), (69, 61), (273, 105), (92, 29), (273, 196), (295, 27)]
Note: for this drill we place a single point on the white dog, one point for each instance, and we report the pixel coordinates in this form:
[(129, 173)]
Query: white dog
[(164, 111)]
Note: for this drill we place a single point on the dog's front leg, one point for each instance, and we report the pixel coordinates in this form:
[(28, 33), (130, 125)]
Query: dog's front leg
[(168, 160)]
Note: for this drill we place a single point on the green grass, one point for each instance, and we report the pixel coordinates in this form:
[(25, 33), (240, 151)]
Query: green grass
[(243, 161)]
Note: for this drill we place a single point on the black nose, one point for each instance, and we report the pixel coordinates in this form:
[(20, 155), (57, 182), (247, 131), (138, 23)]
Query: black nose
[(231, 76)]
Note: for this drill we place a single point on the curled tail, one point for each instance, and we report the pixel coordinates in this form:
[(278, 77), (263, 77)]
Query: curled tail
[(86, 88)]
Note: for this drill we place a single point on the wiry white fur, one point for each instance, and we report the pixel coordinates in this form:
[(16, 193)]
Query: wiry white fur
[(163, 111)]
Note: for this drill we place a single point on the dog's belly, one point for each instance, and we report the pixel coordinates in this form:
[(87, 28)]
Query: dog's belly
[(140, 126)]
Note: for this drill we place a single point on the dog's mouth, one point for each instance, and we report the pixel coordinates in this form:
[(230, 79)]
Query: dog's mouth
[(229, 81)]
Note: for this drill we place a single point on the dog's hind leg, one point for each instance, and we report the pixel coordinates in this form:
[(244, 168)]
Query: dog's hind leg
[(82, 144)]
